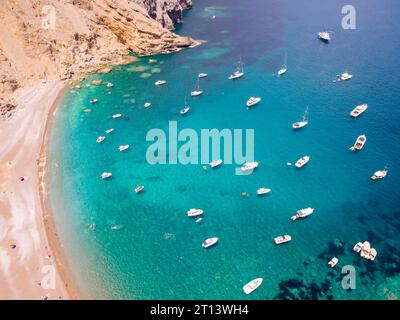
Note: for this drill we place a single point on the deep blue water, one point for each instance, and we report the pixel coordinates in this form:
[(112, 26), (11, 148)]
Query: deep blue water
[(158, 253)]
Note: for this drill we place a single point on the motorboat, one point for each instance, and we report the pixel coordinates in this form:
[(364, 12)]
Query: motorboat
[(215, 163), (194, 212), (239, 72), (345, 76), (324, 36), (282, 239), (139, 189), (252, 285), (263, 191), (118, 115), (380, 174), (358, 247), (93, 101), (110, 85), (357, 111), (109, 130), (197, 91), (333, 262), (249, 166), (106, 175), (123, 147), (147, 105), (202, 75), (302, 123), (252, 101), (302, 213), (184, 110), (160, 82), (100, 139), (283, 70), (359, 144), (209, 242), (302, 161)]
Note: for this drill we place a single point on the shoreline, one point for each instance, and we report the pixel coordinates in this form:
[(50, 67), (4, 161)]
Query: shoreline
[(32, 262)]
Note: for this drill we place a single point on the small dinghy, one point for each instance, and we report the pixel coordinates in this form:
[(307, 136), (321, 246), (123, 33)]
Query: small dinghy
[(93, 101), (139, 189), (215, 163), (106, 175), (263, 191), (282, 239), (116, 116), (109, 130), (302, 161), (252, 285), (333, 262), (147, 105), (100, 139), (359, 144), (209, 242), (124, 147), (194, 212)]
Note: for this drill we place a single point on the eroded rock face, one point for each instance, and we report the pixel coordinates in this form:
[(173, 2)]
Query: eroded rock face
[(41, 39), (167, 12)]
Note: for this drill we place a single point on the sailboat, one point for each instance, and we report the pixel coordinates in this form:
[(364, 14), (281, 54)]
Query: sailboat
[(185, 109), (197, 92), (238, 73), (283, 70), (303, 123)]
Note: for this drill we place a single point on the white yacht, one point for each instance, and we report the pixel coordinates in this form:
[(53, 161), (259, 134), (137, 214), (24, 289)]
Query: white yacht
[(100, 139), (359, 144), (263, 191), (109, 130), (380, 174), (302, 213), (239, 72), (209, 242), (303, 123), (283, 70), (123, 147), (215, 163), (333, 262), (282, 239), (202, 75), (110, 85), (106, 175), (118, 115), (139, 189), (302, 161), (93, 100), (194, 212), (252, 285), (160, 82), (197, 91), (252, 101), (345, 76), (147, 105), (324, 36), (249, 166), (358, 110)]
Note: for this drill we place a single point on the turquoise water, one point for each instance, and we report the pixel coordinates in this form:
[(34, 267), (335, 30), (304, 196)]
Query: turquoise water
[(157, 254)]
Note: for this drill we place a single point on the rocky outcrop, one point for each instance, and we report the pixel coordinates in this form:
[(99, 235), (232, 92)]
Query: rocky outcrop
[(43, 39)]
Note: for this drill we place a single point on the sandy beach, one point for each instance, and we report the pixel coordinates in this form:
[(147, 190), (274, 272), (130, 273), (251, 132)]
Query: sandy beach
[(31, 261)]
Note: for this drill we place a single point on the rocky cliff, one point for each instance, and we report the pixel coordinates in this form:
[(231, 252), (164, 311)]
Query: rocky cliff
[(64, 39)]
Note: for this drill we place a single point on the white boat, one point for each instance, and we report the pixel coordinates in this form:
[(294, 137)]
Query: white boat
[(194, 212), (302, 161), (303, 123), (249, 166), (110, 130), (380, 174), (345, 76), (358, 110), (202, 75), (252, 101), (147, 105), (106, 175), (100, 139), (252, 285), (333, 262), (282, 239), (197, 91), (359, 144), (198, 220), (184, 110), (116, 227), (123, 147), (209, 242), (93, 100), (110, 85), (160, 82), (239, 72), (324, 36), (262, 191), (139, 189), (118, 115), (358, 247), (302, 213), (283, 70), (215, 163)]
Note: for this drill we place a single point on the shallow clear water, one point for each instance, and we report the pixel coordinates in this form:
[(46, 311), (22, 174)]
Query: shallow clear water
[(158, 253)]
